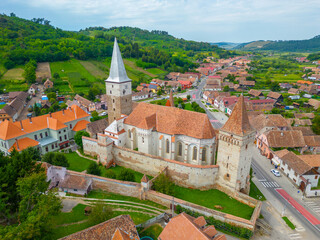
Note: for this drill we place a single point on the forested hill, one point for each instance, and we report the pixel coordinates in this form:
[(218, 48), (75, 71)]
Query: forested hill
[(22, 40), (309, 45)]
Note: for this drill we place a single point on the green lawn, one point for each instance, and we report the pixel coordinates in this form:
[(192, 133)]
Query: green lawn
[(77, 215), (153, 231), (255, 192), (76, 162), (213, 197), (13, 80), (114, 196), (156, 71), (2, 105), (289, 223)]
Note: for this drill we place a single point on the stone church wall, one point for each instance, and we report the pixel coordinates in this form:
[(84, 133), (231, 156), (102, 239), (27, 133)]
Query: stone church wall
[(184, 174)]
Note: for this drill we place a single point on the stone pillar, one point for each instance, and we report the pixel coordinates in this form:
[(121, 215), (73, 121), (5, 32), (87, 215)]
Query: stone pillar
[(200, 156), (185, 154), (173, 148), (160, 148)]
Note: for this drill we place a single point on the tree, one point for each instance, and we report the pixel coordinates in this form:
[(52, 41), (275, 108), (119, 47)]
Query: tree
[(159, 92), (56, 75), (57, 159), (126, 175), (52, 95), (179, 89), (30, 71), (164, 185), (78, 137), (100, 213), (316, 125), (275, 87), (188, 97), (226, 88), (94, 169), (36, 110)]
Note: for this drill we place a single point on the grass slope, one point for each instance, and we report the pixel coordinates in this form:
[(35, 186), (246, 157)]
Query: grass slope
[(13, 80), (94, 70), (213, 197)]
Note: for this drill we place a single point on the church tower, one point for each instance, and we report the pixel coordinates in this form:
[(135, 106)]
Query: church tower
[(118, 85), (235, 146)]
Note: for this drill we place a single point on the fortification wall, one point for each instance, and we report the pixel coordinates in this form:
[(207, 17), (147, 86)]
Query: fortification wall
[(184, 174)]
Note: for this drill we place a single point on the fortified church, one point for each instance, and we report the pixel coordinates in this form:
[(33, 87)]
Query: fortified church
[(150, 138)]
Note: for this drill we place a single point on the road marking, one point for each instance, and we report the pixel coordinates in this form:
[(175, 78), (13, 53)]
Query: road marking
[(300, 229), (261, 180)]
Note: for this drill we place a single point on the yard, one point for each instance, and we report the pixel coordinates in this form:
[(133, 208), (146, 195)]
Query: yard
[(74, 221), (213, 198)]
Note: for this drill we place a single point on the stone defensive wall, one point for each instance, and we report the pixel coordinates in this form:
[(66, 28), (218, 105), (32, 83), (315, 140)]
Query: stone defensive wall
[(184, 174), (133, 189)]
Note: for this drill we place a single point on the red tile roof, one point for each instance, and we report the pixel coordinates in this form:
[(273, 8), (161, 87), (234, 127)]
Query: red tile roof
[(23, 143), (238, 123), (81, 125), (171, 121)]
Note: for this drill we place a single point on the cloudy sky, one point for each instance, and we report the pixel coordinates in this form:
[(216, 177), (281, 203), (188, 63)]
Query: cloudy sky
[(201, 20)]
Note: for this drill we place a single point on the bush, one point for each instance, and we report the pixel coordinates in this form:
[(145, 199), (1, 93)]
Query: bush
[(100, 213), (110, 174), (57, 159), (164, 185), (94, 169), (219, 225), (126, 175), (78, 137)]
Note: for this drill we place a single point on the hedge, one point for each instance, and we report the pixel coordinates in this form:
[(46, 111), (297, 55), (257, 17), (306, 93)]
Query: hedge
[(219, 225)]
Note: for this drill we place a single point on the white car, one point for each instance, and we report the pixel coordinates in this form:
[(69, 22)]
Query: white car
[(275, 172)]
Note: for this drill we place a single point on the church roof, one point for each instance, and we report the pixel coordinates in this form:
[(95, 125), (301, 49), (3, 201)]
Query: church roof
[(238, 123), (171, 121), (118, 73)]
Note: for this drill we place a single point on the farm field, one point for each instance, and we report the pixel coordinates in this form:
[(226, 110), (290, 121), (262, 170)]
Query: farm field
[(156, 71), (132, 65), (43, 70), (13, 80), (94, 70), (79, 78)]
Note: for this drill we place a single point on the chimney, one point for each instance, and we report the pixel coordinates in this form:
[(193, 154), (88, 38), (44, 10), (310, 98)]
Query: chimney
[(30, 119), (21, 125), (17, 144), (63, 111), (49, 114)]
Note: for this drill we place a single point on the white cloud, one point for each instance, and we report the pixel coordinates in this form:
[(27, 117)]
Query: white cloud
[(192, 18)]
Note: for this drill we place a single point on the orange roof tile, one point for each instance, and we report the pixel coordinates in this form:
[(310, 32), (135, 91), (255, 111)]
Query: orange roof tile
[(23, 143), (9, 130), (171, 121), (120, 235), (238, 123), (168, 104), (81, 125)]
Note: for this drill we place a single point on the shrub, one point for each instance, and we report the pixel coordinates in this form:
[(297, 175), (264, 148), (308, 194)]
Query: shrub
[(78, 137), (110, 174), (164, 185), (94, 169), (57, 159), (219, 225), (126, 175)]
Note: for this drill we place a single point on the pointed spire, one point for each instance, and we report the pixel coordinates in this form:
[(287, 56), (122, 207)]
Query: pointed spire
[(238, 123), (171, 98), (117, 71)]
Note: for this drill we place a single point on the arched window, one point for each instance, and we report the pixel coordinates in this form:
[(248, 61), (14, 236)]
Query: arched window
[(204, 154), (167, 146), (142, 139), (179, 149), (194, 153), (129, 132)]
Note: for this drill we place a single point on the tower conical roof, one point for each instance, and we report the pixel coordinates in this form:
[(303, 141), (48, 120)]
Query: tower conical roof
[(238, 123), (118, 73)]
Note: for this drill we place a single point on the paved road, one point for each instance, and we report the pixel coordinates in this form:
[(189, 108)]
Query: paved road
[(269, 185), (24, 112)]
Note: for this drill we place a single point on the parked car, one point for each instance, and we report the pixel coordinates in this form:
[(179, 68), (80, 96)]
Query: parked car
[(275, 172)]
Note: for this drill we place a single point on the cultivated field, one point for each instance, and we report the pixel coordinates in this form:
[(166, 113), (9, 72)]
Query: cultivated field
[(12, 80), (97, 69), (13, 74), (132, 65), (43, 71)]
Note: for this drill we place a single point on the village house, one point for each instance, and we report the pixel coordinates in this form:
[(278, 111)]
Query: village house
[(276, 96), (96, 127), (285, 85), (304, 115), (299, 122), (185, 84), (280, 139), (11, 111), (174, 85), (256, 93), (48, 84), (314, 103), (183, 226), (213, 84), (244, 84), (293, 91), (118, 228), (33, 89), (48, 132), (84, 103), (142, 95), (300, 169)]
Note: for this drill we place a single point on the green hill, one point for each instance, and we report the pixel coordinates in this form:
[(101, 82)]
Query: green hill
[(309, 45)]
